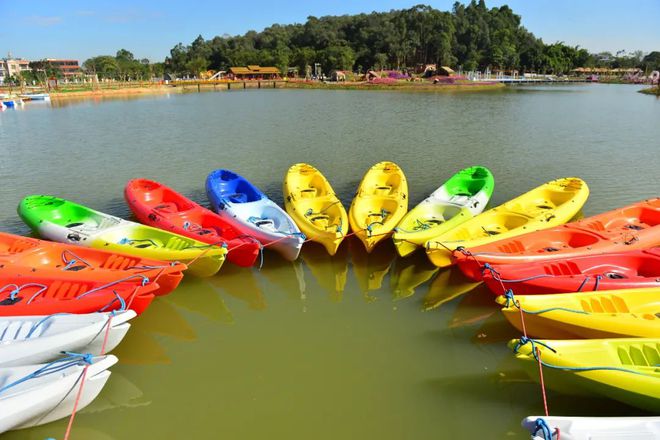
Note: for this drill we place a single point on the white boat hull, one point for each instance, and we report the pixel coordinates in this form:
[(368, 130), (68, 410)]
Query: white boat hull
[(50, 397), (22, 342), (601, 428)]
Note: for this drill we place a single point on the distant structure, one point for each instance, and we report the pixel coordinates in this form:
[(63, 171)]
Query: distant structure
[(253, 72), (11, 66), (69, 68)]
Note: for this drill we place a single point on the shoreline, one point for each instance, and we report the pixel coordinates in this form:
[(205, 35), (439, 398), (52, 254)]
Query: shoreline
[(164, 89), (413, 87), (654, 91), (183, 88), (118, 92)]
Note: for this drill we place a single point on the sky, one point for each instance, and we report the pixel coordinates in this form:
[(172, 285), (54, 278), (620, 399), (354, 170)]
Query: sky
[(38, 29)]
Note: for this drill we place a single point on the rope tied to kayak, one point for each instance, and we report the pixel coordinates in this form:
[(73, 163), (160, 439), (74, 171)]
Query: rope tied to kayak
[(524, 340), (310, 211), (542, 426), (71, 359), (70, 263), (13, 297), (511, 300), (42, 321)]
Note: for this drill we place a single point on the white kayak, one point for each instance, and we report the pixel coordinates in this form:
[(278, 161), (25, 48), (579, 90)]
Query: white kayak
[(27, 340), (250, 211), (37, 394), (593, 428)]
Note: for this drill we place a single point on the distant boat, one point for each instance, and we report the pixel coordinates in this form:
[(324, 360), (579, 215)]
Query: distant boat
[(13, 102), (36, 96), (592, 78)]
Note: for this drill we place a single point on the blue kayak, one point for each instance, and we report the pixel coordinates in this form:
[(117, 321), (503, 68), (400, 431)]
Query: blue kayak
[(250, 211)]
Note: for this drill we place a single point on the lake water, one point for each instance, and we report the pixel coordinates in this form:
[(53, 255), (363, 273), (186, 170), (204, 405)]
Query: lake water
[(349, 347)]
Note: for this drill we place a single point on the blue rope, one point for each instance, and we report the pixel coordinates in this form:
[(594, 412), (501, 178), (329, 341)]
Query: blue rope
[(75, 257), (541, 425), (583, 283), (41, 321), (70, 360), (122, 304), (511, 299), (145, 280), (525, 340)]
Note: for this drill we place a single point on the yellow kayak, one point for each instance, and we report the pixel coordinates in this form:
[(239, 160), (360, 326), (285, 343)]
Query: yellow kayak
[(311, 202), (590, 315), (380, 203), (620, 369), (551, 204)]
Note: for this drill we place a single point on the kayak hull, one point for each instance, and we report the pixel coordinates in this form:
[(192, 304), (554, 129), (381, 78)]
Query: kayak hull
[(380, 203), (67, 222), (616, 369), (159, 206), (312, 204), (600, 272), (35, 339), (28, 256), (633, 227), (251, 212), (463, 196), (589, 315), (551, 204)]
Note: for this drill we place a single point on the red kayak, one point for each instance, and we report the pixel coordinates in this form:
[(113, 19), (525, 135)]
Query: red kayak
[(155, 204), (19, 255), (635, 226), (27, 294), (621, 270)]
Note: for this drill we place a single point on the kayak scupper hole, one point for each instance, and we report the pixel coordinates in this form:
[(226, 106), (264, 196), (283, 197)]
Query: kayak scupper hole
[(615, 276), (74, 225)]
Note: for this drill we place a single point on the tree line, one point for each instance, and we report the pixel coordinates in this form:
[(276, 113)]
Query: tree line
[(470, 36)]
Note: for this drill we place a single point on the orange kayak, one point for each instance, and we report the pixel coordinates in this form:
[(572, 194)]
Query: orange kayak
[(28, 294), (635, 226), (29, 256)]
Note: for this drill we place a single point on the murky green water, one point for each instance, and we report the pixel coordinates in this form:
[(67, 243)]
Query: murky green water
[(326, 348)]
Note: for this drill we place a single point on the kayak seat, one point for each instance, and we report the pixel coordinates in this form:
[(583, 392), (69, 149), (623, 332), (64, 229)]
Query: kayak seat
[(383, 190), (167, 207), (265, 223), (308, 193), (320, 220), (238, 197)]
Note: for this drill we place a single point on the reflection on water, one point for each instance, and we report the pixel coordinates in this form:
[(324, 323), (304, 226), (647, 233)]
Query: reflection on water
[(240, 283), (329, 271), (141, 348), (409, 273), (495, 330), (286, 276), (447, 285), (119, 392), (474, 307), (201, 297), (370, 268), (163, 318)]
